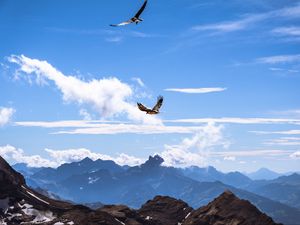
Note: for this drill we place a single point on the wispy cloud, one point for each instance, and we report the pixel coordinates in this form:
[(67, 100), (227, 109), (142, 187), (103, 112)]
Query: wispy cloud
[(249, 20), (237, 120), (230, 26), (139, 81), (251, 153), (195, 150), (57, 157), (118, 127), (108, 34), (106, 127), (277, 59), (295, 155), (116, 39), (5, 115), (284, 141), (196, 90), (287, 31), (108, 96), (229, 158), (284, 132)]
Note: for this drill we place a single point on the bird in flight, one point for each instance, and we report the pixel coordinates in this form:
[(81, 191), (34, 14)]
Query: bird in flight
[(155, 109), (136, 19)]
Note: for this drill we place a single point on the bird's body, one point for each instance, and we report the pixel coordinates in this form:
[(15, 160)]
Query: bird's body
[(154, 110), (136, 19)]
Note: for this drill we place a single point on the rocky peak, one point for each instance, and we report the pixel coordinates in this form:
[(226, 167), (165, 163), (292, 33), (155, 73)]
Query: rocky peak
[(165, 210), (228, 209), (9, 176), (153, 162)]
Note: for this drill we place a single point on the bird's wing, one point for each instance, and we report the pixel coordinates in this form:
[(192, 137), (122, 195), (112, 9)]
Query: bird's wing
[(137, 15), (142, 107), (159, 103), (122, 24)]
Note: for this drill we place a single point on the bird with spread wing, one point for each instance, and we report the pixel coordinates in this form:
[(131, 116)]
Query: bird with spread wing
[(136, 19), (155, 109)]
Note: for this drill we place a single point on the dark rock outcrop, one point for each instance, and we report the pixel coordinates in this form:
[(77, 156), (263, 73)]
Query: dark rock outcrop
[(227, 209)]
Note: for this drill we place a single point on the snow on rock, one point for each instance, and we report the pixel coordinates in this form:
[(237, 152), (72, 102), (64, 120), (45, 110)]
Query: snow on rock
[(148, 218), (28, 192), (40, 216), (120, 221), (187, 215)]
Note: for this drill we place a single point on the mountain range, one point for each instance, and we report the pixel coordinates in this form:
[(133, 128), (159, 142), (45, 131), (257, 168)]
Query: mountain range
[(85, 182), (20, 204)]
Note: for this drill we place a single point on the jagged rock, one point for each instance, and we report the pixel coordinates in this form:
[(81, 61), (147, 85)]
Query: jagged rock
[(227, 209)]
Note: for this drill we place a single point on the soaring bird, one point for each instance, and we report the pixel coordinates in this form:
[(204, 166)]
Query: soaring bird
[(155, 109), (136, 19)]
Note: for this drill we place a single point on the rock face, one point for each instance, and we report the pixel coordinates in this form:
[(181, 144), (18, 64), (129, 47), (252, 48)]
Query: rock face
[(19, 204), (227, 209)]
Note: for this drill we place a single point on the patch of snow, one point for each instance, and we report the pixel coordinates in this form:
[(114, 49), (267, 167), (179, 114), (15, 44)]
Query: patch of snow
[(70, 223), (33, 195), (59, 223), (187, 215), (2, 222), (148, 218), (120, 221), (40, 216)]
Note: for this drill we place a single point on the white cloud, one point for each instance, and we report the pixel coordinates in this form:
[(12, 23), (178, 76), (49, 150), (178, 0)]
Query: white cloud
[(131, 128), (139, 81), (284, 141), (229, 158), (194, 150), (277, 59), (247, 21), (230, 26), (84, 113), (108, 96), (17, 155), (285, 132), (5, 115), (237, 120), (57, 157), (287, 31), (196, 90), (116, 39), (295, 155), (250, 153)]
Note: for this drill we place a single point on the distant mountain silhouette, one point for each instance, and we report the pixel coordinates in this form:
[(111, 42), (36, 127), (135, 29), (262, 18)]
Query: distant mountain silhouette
[(235, 179), (19, 204), (263, 174), (87, 181), (285, 189)]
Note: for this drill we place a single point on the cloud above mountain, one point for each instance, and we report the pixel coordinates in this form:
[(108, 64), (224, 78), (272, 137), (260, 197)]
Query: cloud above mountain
[(57, 157), (5, 115), (109, 96)]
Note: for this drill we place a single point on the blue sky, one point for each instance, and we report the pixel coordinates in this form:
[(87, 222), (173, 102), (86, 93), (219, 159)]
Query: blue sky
[(69, 82)]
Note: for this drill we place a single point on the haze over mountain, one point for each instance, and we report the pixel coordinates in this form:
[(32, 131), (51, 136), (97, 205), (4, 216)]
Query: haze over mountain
[(19, 204), (263, 174), (87, 180)]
